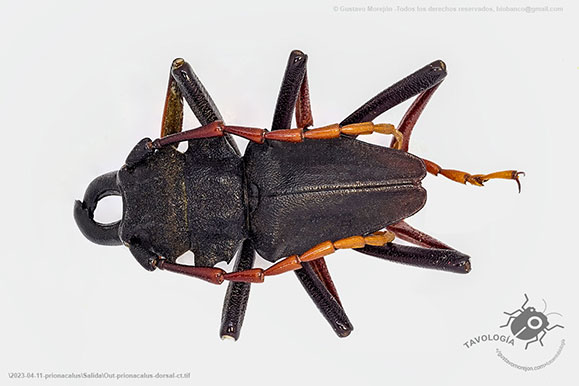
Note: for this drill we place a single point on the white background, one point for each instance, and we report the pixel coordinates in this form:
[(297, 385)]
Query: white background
[(82, 82)]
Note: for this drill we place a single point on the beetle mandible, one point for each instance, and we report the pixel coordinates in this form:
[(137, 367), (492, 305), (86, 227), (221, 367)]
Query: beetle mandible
[(529, 323), (294, 196)]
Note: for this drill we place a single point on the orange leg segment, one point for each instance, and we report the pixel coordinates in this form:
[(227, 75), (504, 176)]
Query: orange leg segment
[(218, 129), (474, 179), (291, 263)]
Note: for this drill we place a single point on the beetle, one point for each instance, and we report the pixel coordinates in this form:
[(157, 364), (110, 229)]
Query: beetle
[(294, 196), (529, 323)]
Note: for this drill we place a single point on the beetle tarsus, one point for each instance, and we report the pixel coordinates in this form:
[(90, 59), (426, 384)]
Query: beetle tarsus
[(473, 179)]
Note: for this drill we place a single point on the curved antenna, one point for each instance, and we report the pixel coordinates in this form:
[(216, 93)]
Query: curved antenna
[(544, 309), (556, 313)]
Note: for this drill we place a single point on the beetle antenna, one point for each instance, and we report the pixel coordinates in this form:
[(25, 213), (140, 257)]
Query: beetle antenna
[(556, 313), (544, 309)]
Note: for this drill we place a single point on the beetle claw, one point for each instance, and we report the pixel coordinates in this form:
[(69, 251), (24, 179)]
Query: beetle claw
[(516, 178)]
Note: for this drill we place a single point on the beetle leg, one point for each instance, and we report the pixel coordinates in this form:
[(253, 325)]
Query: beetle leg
[(476, 179), (442, 259), (421, 80), (290, 92), (254, 134), (295, 262), (431, 255), (237, 295), (408, 233), (172, 121), (377, 244), (210, 274), (320, 294), (194, 92), (197, 97), (314, 276), (411, 116), (291, 263), (304, 117)]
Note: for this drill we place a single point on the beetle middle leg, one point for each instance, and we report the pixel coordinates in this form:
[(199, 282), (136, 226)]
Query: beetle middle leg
[(315, 276)]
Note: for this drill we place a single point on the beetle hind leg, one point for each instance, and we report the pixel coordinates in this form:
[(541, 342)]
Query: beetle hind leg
[(441, 259), (431, 253), (473, 179)]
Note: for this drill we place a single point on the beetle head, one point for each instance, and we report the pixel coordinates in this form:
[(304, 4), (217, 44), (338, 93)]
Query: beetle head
[(103, 234)]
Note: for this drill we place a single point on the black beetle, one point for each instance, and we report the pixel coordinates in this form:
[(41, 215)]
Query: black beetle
[(299, 192), (529, 323)]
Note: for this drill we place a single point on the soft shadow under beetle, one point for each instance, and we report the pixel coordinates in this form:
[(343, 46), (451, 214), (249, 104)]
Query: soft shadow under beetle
[(295, 196)]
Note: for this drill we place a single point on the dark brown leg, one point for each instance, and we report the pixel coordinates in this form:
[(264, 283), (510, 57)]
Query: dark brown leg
[(401, 229), (407, 233), (407, 124), (237, 296), (304, 119), (442, 259), (314, 276), (421, 80), (199, 99), (411, 116)]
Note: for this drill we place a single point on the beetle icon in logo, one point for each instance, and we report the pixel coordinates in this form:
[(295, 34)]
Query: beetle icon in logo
[(528, 323)]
